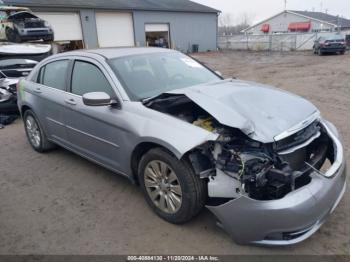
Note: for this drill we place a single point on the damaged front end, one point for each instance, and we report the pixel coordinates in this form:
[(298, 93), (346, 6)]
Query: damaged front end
[(275, 193)]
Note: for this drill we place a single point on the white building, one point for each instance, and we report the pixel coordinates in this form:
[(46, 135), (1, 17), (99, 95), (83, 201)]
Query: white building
[(299, 21)]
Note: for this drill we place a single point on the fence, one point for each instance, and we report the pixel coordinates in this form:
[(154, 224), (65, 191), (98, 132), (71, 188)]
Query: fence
[(280, 42)]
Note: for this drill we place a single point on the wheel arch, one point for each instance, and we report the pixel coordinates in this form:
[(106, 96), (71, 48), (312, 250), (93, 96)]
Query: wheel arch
[(142, 148), (24, 108)]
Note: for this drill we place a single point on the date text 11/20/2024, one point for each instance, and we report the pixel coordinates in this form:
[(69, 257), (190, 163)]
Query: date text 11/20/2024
[(173, 258)]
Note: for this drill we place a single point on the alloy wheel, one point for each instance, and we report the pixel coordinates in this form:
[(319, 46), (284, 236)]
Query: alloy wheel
[(163, 186), (33, 131)]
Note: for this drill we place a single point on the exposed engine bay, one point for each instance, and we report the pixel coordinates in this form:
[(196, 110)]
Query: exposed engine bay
[(236, 165)]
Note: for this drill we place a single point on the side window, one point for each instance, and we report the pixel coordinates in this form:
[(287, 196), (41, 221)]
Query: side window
[(88, 78), (40, 75), (54, 74)]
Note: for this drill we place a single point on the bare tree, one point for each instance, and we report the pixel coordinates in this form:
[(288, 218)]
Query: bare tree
[(229, 25), (245, 18), (225, 19)]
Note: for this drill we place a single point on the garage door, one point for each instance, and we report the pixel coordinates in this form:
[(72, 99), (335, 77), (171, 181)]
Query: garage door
[(66, 26), (157, 35), (115, 29), (157, 27)]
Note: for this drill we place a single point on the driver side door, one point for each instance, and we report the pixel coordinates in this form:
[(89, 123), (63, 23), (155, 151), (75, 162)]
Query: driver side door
[(95, 132)]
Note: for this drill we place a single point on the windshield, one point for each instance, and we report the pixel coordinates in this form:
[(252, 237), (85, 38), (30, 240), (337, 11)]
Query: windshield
[(149, 75), (334, 37), (22, 15)]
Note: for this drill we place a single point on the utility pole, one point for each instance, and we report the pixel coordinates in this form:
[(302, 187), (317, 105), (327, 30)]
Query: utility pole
[(338, 23)]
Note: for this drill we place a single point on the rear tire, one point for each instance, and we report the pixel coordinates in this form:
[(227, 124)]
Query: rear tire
[(342, 52), (184, 186), (35, 133)]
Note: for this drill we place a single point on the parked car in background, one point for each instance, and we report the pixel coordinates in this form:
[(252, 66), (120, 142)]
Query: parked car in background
[(17, 61), (262, 160), (8, 103), (332, 43), (18, 24)]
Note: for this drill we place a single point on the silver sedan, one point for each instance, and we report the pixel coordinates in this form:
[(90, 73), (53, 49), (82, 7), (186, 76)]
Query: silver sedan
[(262, 160)]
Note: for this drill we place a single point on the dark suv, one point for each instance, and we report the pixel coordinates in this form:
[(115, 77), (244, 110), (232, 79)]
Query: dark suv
[(333, 43)]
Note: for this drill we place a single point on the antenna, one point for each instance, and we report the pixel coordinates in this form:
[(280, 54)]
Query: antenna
[(285, 5), (321, 4)]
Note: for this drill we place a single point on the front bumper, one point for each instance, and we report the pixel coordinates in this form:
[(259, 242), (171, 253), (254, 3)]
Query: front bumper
[(36, 33), (333, 49), (9, 107), (289, 220)]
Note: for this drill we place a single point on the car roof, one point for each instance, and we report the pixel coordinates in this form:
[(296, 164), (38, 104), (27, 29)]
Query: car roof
[(13, 8), (23, 49), (111, 53)]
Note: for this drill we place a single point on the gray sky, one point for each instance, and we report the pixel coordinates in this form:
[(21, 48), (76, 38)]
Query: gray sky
[(260, 9)]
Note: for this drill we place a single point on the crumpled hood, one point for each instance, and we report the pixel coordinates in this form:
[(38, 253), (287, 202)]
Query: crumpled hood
[(260, 111)]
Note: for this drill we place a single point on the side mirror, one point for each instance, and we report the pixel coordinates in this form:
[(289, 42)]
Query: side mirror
[(97, 99)]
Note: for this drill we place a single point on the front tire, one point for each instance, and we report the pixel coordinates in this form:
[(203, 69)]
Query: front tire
[(170, 186), (10, 35), (13, 36), (18, 38), (35, 134), (49, 39)]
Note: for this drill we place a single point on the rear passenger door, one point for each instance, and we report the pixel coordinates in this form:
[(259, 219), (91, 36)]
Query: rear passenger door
[(93, 131), (51, 89)]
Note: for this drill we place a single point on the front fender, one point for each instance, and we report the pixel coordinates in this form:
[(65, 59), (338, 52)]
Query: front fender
[(176, 135)]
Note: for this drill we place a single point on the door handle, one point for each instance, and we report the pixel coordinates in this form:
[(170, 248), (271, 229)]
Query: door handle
[(37, 90), (70, 101)]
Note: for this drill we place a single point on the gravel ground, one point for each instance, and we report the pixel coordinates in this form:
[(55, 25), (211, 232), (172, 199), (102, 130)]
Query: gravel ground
[(59, 203)]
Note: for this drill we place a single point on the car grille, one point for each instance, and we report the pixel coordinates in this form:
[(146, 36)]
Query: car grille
[(16, 73), (36, 24), (37, 31)]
